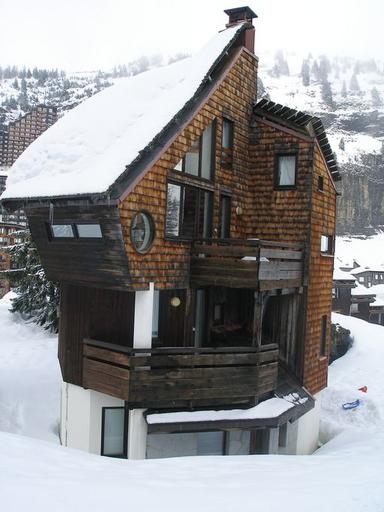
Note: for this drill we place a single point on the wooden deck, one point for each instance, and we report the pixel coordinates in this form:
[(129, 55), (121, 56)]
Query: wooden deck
[(180, 377), (255, 264)]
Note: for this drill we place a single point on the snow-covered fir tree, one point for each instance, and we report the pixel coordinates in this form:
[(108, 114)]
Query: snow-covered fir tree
[(37, 298)]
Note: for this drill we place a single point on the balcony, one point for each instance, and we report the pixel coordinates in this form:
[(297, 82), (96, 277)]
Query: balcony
[(180, 377), (255, 264)]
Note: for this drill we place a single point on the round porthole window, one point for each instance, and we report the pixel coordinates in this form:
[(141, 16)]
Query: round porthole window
[(142, 231)]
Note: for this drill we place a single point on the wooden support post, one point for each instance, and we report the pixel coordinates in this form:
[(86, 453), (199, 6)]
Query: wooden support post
[(257, 319)]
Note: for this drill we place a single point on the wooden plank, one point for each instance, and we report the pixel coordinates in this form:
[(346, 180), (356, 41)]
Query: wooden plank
[(106, 369), (280, 254), (106, 355)]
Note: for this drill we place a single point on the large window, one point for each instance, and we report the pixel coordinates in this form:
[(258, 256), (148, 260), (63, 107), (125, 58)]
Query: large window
[(189, 212), (285, 171), (199, 159), (114, 432)]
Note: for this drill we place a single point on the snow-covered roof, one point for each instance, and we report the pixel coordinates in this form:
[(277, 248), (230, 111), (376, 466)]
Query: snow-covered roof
[(88, 149), (268, 409), (340, 275), (361, 270), (362, 291)]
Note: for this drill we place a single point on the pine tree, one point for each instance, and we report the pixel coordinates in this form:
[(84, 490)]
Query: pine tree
[(342, 144), (354, 84), (376, 98), (37, 298), (305, 73), (315, 70), (344, 89), (326, 94)]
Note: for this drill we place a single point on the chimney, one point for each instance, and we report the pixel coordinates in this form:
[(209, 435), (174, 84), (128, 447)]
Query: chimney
[(241, 15)]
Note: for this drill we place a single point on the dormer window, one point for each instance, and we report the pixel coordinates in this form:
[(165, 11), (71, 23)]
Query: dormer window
[(199, 159)]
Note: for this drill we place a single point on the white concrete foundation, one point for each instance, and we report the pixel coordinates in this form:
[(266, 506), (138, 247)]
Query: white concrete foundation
[(308, 429), (81, 412)]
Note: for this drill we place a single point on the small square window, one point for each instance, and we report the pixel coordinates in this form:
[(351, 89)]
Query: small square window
[(89, 230), (326, 244), (62, 231), (285, 171)]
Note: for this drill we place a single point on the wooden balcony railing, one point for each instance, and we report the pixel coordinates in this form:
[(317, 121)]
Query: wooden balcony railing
[(254, 264), (179, 377)]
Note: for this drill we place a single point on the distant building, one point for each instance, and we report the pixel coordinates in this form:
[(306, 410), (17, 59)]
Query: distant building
[(21, 133), (368, 276), (14, 140), (9, 235)]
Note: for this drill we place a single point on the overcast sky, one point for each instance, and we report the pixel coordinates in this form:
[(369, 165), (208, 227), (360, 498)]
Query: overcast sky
[(98, 34)]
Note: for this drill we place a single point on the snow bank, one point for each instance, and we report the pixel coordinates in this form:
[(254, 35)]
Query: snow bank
[(29, 377), (361, 366), (89, 148), (41, 477)]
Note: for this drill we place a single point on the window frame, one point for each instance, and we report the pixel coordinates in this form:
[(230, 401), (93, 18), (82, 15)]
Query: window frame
[(123, 455), (225, 198), (152, 234), (200, 195), (276, 184), (73, 224), (320, 183), (212, 160)]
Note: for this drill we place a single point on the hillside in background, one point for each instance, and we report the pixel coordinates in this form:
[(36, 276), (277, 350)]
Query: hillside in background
[(348, 94)]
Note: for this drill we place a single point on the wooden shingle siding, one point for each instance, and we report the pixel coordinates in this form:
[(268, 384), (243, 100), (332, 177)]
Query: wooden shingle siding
[(90, 262), (319, 294), (167, 262)]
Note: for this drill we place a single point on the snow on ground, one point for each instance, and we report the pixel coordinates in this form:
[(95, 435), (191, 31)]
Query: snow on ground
[(366, 251), (361, 366), (345, 474), (40, 477), (29, 377)]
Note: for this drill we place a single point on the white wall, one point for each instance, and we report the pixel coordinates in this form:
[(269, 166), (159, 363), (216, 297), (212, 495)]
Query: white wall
[(81, 413), (308, 429)]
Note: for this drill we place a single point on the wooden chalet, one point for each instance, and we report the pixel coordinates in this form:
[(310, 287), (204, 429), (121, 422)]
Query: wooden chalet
[(343, 284), (194, 249)]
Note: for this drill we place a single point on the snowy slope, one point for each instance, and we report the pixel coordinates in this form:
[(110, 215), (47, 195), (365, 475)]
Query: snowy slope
[(355, 122), (29, 377), (367, 251), (361, 366)]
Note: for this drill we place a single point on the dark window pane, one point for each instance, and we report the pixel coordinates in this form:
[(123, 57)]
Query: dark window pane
[(189, 211), (191, 159), (323, 341), (210, 443), (89, 230), (205, 215), (113, 431), (225, 216), (172, 221)]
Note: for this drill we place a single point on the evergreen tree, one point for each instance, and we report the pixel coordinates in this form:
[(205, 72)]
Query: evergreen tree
[(305, 73), (315, 70), (354, 84), (326, 94), (37, 298), (344, 89), (342, 144), (16, 84), (376, 98)]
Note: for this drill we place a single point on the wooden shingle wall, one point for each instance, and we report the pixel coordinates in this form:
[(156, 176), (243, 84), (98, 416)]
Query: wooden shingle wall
[(167, 262), (319, 294)]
